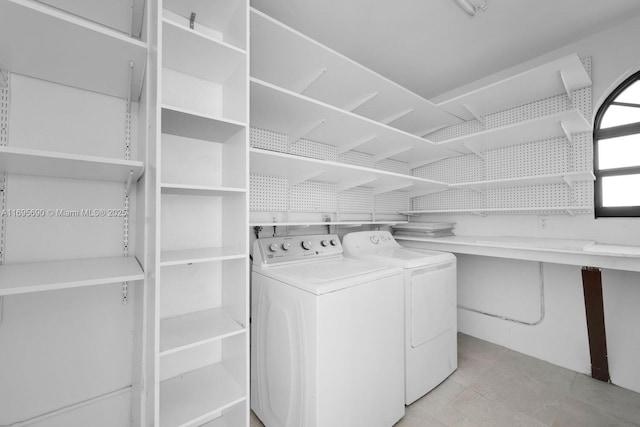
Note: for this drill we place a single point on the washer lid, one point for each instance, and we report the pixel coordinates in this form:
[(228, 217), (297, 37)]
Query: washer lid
[(404, 257), (328, 275)]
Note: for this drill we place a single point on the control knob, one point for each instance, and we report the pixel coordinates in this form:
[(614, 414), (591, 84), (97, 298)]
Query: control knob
[(324, 243), (306, 244), (273, 247), (334, 242), (286, 246)]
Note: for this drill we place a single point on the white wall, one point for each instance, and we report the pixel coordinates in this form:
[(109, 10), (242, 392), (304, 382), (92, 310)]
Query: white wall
[(562, 337)]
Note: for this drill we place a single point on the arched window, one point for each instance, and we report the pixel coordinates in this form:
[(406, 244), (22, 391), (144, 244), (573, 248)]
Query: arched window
[(616, 156)]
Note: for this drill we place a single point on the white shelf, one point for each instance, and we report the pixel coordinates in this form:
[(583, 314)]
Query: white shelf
[(199, 190), (194, 329), (194, 256), (560, 76), (289, 59), (196, 54), (52, 45), (564, 123), (190, 399), (298, 116), (298, 169), (190, 124), (568, 209), (66, 165), (308, 224), (53, 275), (568, 178), (224, 18)]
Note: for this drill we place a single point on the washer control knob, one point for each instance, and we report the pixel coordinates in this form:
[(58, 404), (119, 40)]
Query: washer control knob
[(325, 243), (334, 242), (306, 244), (375, 239), (286, 246), (273, 247)]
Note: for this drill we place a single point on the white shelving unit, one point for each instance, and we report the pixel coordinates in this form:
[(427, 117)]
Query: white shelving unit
[(298, 169), (326, 223), (62, 165), (571, 210), (298, 116), (49, 276), (565, 123), (54, 45), (563, 75), (288, 59), (202, 248), (568, 178), (72, 151)]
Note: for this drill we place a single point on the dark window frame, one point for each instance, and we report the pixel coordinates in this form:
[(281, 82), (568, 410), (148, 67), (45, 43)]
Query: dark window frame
[(613, 132)]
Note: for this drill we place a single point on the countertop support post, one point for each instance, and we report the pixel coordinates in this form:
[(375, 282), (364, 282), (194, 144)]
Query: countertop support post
[(594, 309)]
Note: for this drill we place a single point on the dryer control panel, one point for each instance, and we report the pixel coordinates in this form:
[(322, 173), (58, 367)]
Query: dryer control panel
[(273, 250), (371, 239)]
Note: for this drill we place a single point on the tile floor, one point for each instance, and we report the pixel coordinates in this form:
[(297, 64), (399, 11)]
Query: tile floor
[(495, 387)]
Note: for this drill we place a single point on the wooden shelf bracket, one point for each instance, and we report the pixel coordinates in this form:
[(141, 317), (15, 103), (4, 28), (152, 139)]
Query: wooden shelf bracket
[(567, 134), (475, 151), (396, 116), (360, 102), (390, 188), (355, 183), (127, 189), (306, 83), (299, 133), (352, 145), (565, 84), (390, 153), (299, 179), (474, 113), (425, 162)]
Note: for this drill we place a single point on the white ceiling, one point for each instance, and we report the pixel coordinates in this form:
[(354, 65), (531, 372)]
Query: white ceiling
[(432, 46)]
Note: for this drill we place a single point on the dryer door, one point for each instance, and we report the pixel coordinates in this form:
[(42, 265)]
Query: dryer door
[(433, 302)]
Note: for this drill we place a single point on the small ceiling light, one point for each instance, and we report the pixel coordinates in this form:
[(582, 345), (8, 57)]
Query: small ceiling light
[(472, 6)]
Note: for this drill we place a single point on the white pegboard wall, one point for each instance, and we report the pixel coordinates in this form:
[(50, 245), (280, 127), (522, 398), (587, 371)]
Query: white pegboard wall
[(395, 166), (454, 170), (268, 140), (267, 193), (356, 200), (536, 158), (392, 202), (357, 158), (4, 116), (313, 196), (556, 155), (313, 149), (449, 200)]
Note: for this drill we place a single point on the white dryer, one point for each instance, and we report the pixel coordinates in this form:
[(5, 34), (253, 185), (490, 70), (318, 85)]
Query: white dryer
[(326, 336), (430, 306)]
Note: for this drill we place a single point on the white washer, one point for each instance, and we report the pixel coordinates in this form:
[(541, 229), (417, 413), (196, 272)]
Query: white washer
[(430, 306), (326, 336)]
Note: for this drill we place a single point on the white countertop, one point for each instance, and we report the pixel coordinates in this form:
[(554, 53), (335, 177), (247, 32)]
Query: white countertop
[(559, 251)]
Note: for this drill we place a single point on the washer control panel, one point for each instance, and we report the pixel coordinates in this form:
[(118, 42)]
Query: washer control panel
[(291, 248)]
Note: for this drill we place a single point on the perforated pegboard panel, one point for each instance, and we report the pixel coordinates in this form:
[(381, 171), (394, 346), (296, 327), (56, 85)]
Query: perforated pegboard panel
[(4, 115), (268, 193), (357, 158), (4, 141), (392, 202), (537, 158), (390, 165), (316, 150), (356, 200), (454, 170), (313, 196), (550, 156), (452, 199), (268, 140)]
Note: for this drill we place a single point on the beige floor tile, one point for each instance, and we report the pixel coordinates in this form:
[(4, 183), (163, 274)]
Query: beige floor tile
[(472, 409), (555, 377), (469, 368), (479, 349), (575, 413), (519, 391), (254, 421), (433, 402), (436, 423), (608, 398)]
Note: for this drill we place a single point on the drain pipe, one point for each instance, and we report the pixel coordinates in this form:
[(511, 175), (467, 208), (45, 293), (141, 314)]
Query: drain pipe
[(509, 319)]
